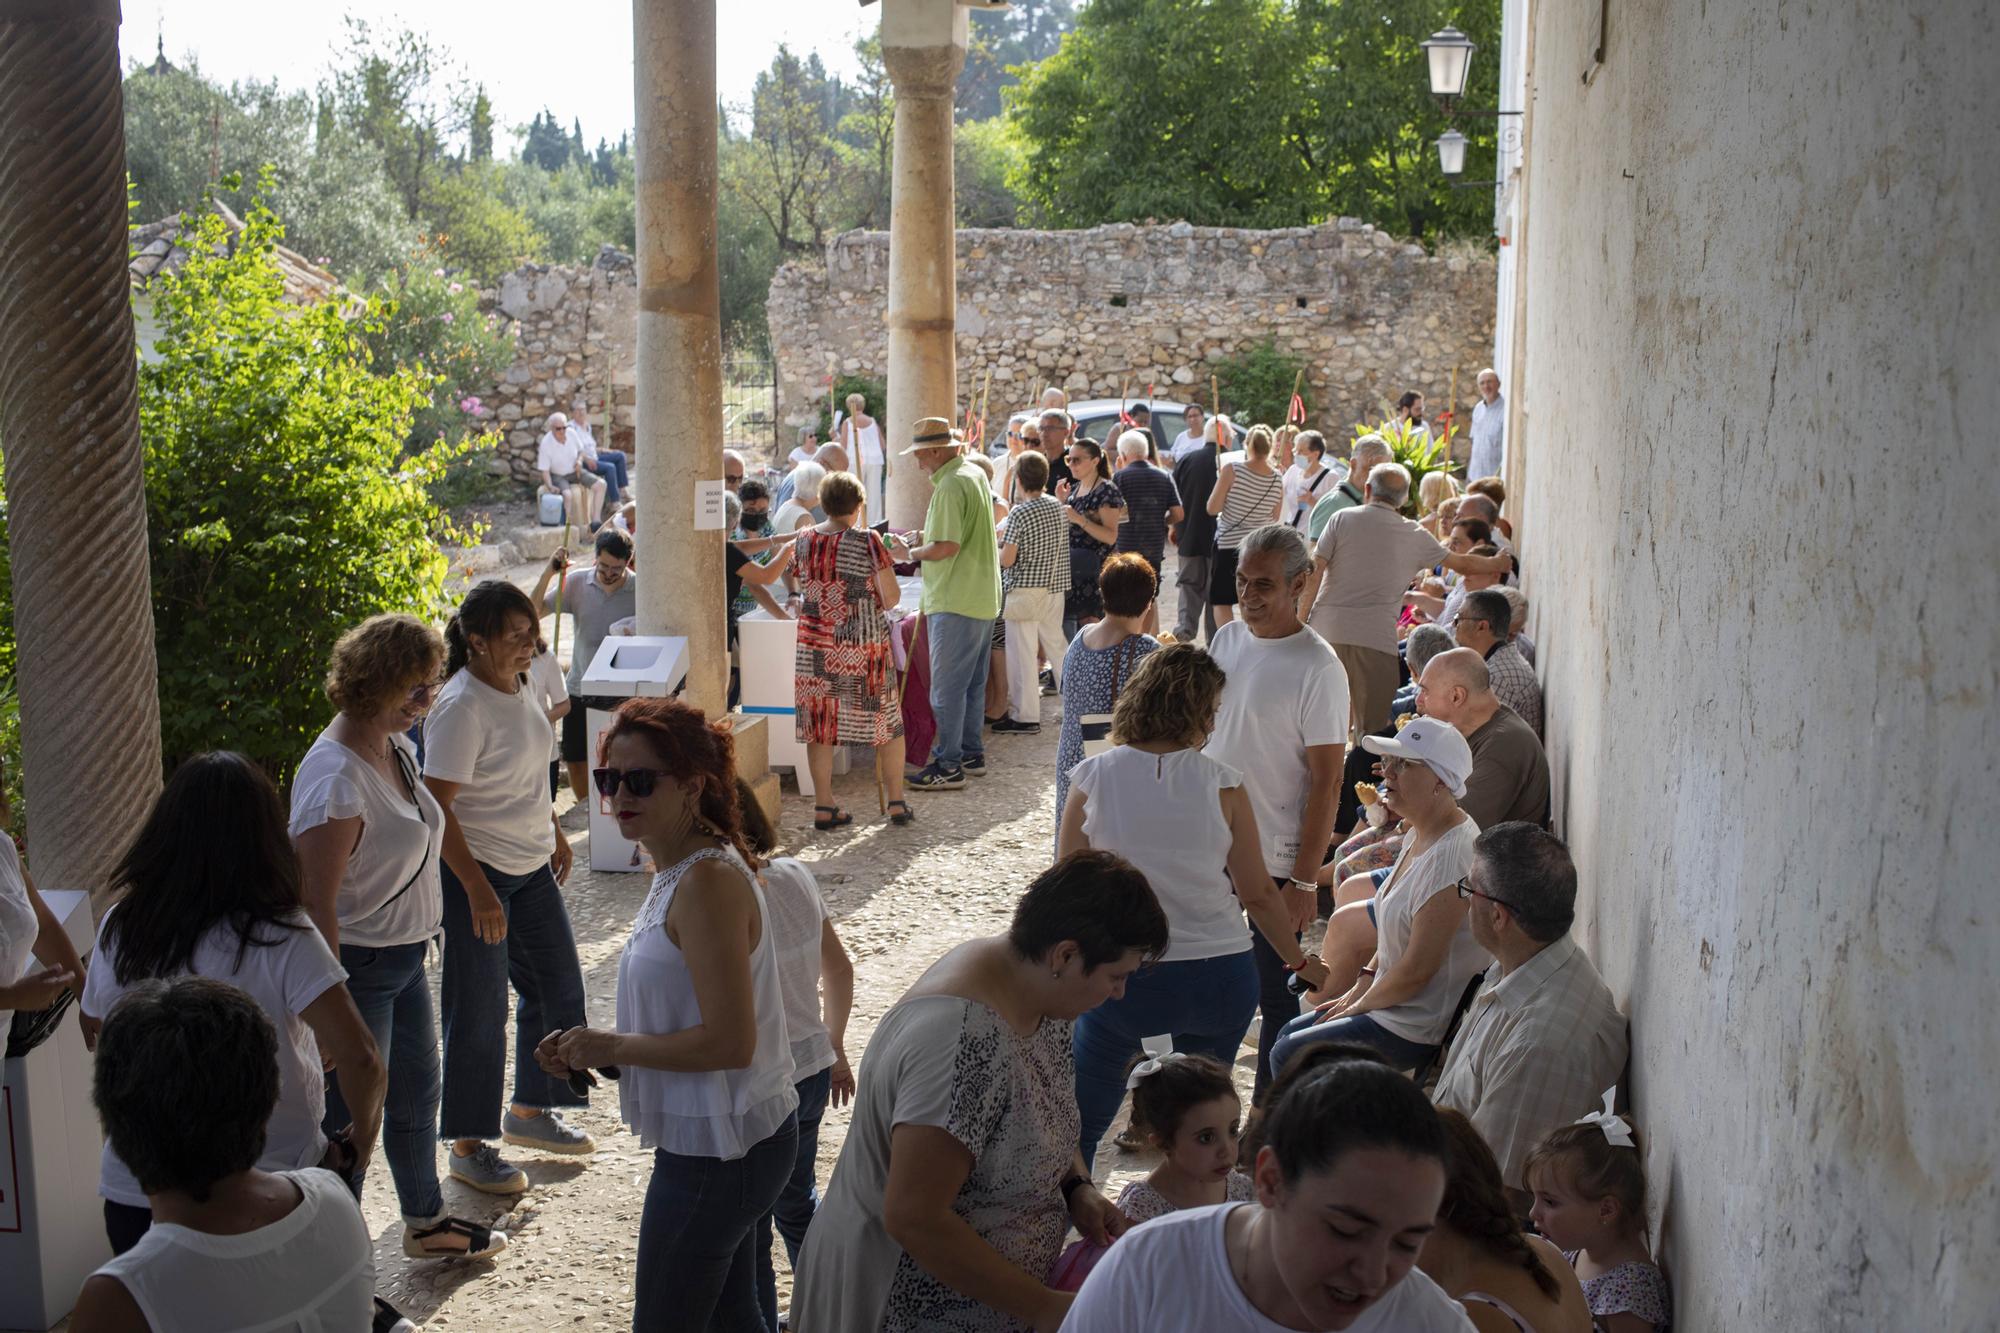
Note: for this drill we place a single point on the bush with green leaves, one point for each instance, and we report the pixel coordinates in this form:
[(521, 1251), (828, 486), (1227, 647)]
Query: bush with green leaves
[(875, 391), (433, 326), (1420, 452), (1256, 384), (282, 505)]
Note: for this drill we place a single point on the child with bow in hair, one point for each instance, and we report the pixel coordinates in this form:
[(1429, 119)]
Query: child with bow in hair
[(1590, 1201)]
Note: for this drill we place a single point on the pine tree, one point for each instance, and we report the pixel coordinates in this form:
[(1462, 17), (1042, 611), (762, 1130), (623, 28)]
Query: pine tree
[(480, 147)]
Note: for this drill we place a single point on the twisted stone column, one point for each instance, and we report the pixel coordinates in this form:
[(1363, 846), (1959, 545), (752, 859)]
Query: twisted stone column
[(923, 48), (69, 425), (679, 436)]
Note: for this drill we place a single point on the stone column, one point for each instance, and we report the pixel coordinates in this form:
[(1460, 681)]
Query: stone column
[(679, 432), (69, 426), (923, 47)]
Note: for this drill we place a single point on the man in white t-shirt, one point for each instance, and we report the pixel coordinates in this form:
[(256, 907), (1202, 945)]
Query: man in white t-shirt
[(559, 458), (1283, 725)]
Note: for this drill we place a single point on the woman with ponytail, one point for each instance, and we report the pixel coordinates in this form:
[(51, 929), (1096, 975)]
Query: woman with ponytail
[(486, 745), (701, 1040), (1508, 1281)]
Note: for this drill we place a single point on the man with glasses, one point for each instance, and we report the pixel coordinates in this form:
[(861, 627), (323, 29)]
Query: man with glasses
[(596, 599), (732, 471), (1543, 1038)]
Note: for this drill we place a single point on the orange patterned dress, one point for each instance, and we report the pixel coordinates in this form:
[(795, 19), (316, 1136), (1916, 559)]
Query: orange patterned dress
[(845, 676)]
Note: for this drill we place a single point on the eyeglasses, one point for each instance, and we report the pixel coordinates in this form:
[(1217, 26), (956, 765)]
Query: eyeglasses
[(424, 693), (1465, 890), (641, 782)]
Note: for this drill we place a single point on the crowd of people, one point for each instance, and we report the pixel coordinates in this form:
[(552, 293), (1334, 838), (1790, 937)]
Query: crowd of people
[(1343, 723)]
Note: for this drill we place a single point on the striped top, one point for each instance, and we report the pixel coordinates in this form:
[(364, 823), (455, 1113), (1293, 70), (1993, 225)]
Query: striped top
[(1252, 500)]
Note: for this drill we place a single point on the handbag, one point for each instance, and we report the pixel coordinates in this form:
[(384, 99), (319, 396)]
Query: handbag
[(1096, 727)]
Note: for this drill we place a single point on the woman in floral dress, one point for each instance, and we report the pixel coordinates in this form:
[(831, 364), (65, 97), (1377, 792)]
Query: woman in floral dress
[(845, 677)]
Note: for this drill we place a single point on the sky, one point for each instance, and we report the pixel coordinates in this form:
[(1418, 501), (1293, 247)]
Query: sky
[(573, 57)]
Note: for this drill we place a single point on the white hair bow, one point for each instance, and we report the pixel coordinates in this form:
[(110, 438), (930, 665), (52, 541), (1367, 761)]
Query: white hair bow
[(1616, 1131), (1145, 1069)]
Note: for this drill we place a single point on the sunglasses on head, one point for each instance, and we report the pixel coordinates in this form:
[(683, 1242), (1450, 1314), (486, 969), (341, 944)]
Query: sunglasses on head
[(641, 782)]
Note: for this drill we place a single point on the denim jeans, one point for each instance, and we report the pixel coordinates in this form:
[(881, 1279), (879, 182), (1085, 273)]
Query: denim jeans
[(1203, 1003), (1276, 1005), (1401, 1052), (697, 1267), (539, 957), (961, 654), (799, 1200), (390, 990), (611, 466)]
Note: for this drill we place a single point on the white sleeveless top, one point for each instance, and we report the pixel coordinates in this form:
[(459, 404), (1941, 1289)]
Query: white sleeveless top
[(311, 1271), (721, 1113)]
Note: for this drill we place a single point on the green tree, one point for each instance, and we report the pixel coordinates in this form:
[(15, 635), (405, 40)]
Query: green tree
[(432, 325), (985, 156), (867, 133), (282, 507), (399, 95), (1256, 384), (479, 129), (786, 166), (477, 230), (1254, 113), (1022, 33)]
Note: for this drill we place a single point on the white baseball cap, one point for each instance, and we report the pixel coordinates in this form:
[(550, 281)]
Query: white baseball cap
[(1436, 745)]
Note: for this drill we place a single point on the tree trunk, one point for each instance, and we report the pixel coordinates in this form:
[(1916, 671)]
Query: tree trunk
[(69, 423)]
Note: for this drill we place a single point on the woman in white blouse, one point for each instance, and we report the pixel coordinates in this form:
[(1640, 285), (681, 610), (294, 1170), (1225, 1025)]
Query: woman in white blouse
[(369, 834), (29, 932), (861, 435), (1184, 819), (701, 1041)]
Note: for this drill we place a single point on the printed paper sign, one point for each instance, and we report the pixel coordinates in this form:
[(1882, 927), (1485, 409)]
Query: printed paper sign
[(709, 512)]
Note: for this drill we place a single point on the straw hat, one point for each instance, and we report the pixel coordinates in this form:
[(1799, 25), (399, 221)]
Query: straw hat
[(933, 433)]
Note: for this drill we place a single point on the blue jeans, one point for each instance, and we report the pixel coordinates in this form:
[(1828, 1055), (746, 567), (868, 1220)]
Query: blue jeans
[(1302, 1031), (390, 990), (1276, 1004), (698, 1235), (799, 1200), (961, 652), (611, 466), (539, 957), (1203, 1003)]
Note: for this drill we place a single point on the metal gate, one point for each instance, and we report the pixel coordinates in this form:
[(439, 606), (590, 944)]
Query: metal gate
[(750, 406)]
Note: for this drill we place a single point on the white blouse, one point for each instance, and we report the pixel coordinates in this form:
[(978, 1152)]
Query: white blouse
[(390, 893), (721, 1113), (18, 925)]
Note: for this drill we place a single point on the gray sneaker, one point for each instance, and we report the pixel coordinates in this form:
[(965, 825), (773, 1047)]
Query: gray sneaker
[(547, 1132), (488, 1171)]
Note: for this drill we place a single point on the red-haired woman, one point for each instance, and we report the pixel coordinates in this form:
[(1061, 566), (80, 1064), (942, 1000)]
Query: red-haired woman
[(701, 1040)]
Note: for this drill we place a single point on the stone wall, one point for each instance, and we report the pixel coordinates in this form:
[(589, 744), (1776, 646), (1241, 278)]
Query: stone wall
[(1123, 304), (1765, 606), (577, 329)]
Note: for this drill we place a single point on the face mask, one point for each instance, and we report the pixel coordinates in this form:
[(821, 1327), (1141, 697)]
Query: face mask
[(756, 522)]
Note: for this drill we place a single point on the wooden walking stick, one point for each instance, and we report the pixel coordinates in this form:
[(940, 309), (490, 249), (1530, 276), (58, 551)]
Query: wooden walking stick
[(555, 646)]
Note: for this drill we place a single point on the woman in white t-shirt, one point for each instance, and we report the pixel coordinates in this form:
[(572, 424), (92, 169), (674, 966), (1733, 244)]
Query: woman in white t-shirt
[(211, 888), (29, 932), (861, 435), (1348, 1181), (486, 749), (809, 953), (1403, 1000), (368, 833), (1183, 818), (187, 1079), (701, 1036), (551, 691)]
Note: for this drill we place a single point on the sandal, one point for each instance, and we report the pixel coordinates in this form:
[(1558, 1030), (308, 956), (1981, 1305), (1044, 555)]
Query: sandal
[(480, 1242), (835, 818), (903, 816)]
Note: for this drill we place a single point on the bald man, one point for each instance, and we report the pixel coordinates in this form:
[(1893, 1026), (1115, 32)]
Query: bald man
[(1510, 772), (1489, 426)]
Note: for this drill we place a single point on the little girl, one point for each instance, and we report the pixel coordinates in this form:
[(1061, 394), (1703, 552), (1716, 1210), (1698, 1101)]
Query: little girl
[(1187, 1107), (1590, 1201)]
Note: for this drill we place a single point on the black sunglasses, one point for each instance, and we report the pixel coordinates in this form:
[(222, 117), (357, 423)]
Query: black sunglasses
[(641, 782)]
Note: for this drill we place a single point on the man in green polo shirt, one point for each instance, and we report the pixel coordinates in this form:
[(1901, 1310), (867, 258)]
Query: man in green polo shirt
[(961, 564), (1369, 450)]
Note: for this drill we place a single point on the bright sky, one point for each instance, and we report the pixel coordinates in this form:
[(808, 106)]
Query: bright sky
[(572, 56)]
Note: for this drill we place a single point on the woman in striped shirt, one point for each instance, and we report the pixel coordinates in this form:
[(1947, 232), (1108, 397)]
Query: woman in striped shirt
[(1248, 494)]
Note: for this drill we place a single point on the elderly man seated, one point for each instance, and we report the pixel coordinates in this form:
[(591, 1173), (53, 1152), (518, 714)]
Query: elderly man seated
[(1543, 1038), (559, 458), (1485, 623)]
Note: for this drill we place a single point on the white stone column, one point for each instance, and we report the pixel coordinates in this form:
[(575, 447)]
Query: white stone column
[(923, 46), (678, 438)]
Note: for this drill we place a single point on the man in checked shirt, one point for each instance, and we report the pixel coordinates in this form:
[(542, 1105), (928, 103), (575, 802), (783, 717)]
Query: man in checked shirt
[(1034, 564)]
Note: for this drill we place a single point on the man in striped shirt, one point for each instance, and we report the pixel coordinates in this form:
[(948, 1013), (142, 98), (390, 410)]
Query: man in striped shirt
[(1543, 1038)]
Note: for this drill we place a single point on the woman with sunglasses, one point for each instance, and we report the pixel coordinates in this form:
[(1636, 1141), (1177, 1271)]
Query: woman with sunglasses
[(706, 1061), (1095, 509), (368, 834), (1404, 998), (505, 858)]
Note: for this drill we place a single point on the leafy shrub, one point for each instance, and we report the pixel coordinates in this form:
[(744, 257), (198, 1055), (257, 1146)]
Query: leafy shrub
[(1420, 454), (282, 506), (432, 326), (1256, 385), (875, 391)]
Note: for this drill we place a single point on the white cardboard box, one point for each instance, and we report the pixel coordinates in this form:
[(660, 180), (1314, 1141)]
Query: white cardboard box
[(626, 666), (51, 1223)]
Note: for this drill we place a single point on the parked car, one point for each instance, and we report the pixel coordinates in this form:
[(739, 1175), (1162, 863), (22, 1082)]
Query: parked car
[(1097, 418)]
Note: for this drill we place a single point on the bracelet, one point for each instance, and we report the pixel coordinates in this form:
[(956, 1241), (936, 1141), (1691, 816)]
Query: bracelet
[(1311, 886)]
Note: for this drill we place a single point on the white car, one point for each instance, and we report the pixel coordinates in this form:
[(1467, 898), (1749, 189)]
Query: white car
[(1097, 418)]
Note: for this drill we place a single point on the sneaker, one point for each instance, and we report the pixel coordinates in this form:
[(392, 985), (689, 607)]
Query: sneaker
[(452, 1238), (974, 765), (486, 1170), (1007, 726), (1048, 683), (936, 778), (546, 1131)]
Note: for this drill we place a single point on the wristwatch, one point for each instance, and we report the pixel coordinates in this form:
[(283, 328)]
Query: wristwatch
[(1072, 1183)]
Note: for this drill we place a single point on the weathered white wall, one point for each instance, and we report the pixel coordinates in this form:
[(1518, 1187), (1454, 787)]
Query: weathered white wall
[(1764, 331)]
